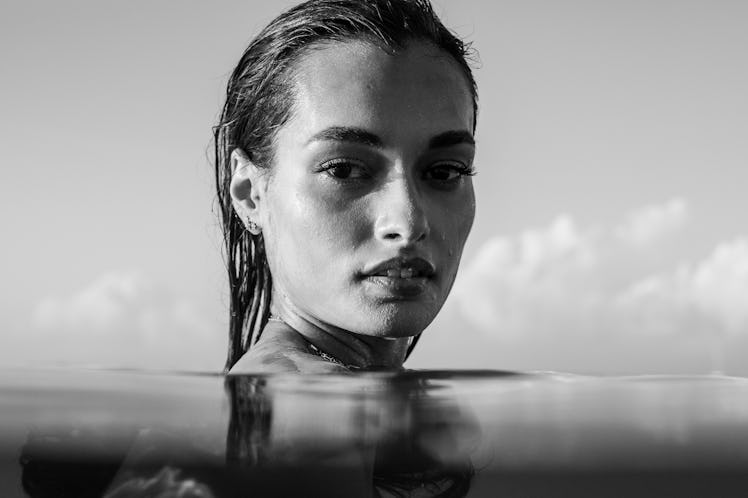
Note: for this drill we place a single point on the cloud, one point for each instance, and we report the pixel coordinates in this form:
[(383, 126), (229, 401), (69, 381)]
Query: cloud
[(649, 224), (712, 293), (515, 281), (125, 319), (580, 288), (105, 303)]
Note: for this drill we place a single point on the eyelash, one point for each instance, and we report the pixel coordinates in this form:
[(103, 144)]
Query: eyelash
[(461, 169), (327, 167)]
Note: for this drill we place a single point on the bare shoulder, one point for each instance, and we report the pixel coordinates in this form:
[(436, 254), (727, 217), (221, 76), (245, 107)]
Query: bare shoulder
[(283, 353)]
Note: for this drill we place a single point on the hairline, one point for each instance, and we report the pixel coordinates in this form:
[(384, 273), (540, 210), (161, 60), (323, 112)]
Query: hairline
[(294, 64)]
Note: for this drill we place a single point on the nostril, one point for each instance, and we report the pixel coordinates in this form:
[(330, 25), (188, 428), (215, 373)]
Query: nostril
[(406, 230)]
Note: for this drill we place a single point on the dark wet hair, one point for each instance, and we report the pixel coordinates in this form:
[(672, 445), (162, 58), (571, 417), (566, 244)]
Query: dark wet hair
[(259, 99)]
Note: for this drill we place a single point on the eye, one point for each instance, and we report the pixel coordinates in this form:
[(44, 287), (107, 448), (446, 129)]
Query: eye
[(448, 172), (344, 169)]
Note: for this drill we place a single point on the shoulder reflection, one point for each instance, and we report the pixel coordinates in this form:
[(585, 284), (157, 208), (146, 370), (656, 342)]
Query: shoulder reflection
[(368, 435)]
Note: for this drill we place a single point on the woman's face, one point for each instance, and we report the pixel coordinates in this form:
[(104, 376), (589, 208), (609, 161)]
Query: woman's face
[(369, 200)]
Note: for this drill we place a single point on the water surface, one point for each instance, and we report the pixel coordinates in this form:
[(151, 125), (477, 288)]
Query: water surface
[(68, 432)]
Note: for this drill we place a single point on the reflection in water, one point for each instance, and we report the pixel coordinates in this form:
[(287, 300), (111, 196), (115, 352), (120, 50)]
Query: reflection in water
[(249, 421), (165, 484), (68, 462), (78, 463), (387, 439), (375, 435), (94, 434)]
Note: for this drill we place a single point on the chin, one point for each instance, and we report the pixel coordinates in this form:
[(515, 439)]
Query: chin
[(396, 322)]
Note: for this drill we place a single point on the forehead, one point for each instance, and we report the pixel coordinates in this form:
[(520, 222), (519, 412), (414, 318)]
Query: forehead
[(417, 90)]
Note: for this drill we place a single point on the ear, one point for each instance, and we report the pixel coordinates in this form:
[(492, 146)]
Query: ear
[(247, 190)]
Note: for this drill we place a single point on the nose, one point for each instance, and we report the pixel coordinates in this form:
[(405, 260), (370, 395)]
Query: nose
[(401, 214)]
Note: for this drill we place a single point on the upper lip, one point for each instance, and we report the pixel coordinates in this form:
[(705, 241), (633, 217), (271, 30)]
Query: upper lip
[(419, 266)]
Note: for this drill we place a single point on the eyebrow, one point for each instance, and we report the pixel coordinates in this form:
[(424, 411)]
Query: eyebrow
[(346, 134), (450, 138), (363, 137)]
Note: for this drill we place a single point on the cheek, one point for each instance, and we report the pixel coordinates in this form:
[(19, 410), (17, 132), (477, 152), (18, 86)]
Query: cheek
[(468, 213), (316, 231), (454, 219)]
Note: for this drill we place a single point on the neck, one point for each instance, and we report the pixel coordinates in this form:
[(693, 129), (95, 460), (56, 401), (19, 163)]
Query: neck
[(349, 348)]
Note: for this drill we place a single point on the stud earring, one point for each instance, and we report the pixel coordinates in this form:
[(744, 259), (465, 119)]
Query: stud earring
[(253, 227)]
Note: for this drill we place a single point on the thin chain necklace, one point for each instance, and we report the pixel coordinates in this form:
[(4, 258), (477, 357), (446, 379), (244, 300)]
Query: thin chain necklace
[(330, 358), (314, 349)]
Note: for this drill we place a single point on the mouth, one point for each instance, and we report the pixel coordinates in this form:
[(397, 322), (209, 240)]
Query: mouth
[(400, 278), (402, 268)]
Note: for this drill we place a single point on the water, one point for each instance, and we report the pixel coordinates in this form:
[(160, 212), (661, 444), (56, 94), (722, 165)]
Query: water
[(83, 433)]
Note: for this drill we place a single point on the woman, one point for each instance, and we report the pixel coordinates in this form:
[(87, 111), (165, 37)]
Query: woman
[(343, 162)]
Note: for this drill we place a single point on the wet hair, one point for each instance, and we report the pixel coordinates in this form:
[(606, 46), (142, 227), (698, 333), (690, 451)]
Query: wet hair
[(259, 100)]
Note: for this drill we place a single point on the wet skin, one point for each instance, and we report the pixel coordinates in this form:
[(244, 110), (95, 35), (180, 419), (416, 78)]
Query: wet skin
[(373, 166)]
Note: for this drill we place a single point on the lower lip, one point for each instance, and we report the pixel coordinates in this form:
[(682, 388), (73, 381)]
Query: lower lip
[(399, 287)]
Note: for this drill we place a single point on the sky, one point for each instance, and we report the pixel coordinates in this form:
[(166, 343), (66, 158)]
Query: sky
[(611, 153)]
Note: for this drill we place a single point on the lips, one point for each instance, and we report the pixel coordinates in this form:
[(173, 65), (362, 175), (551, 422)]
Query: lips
[(402, 268)]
